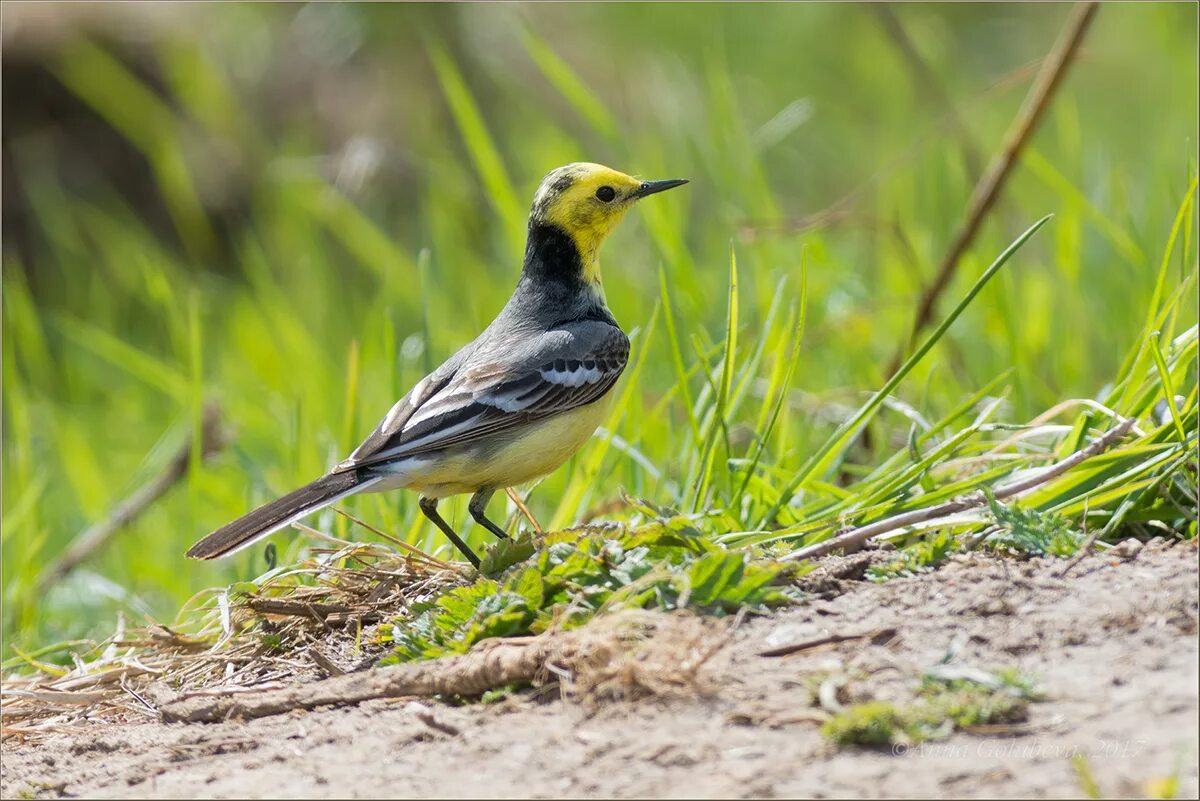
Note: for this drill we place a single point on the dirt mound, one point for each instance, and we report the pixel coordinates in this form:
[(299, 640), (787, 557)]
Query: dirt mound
[(1111, 646)]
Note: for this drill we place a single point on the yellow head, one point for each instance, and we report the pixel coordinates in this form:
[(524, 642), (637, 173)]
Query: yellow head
[(586, 201)]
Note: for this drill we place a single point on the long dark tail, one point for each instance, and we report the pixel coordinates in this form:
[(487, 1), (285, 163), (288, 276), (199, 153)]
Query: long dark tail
[(268, 519)]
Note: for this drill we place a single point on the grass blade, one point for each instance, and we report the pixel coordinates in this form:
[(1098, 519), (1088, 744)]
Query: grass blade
[(820, 461)]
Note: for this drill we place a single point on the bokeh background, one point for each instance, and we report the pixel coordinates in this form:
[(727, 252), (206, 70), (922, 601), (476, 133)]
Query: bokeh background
[(291, 211)]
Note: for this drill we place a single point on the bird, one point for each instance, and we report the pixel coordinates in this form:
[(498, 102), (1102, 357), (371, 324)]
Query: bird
[(512, 405)]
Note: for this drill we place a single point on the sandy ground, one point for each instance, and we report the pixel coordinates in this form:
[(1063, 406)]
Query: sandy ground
[(1113, 645)]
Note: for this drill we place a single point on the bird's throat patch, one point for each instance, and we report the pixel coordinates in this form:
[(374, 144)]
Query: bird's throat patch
[(587, 232)]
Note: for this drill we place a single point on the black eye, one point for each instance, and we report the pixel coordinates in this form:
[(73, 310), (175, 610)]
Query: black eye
[(606, 193)]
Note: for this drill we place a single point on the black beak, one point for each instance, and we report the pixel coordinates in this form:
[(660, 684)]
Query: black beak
[(651, 187)]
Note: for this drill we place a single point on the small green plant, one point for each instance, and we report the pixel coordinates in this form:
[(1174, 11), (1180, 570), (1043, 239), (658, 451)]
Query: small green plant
[(666, 564), (1031, 531), (967, 703), (498, 694), (271, 641), (924, 556)]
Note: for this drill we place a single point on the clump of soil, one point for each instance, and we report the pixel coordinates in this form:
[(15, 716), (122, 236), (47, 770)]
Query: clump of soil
[(687, 707)]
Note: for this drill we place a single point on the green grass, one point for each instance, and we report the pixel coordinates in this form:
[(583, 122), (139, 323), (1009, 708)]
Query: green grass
[(757, 357)]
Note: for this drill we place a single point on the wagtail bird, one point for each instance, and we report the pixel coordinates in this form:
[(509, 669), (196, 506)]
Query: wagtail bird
[(514, 404)]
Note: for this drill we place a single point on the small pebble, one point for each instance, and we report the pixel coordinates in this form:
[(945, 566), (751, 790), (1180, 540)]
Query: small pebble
[(1127, 549)]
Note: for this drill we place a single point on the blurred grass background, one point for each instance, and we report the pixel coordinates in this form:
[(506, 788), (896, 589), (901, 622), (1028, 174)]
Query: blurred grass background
[(294, 211)]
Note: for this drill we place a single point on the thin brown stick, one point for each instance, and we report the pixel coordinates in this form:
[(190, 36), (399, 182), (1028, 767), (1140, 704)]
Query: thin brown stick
[(324, 663), (58, 697), (520, 504), (929, 85), (94, 538), (426, 716), (1053, 70), (806, 645), (856, 537), (284, 606)]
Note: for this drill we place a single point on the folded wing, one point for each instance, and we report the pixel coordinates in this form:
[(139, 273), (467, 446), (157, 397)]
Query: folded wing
[(496, 391)]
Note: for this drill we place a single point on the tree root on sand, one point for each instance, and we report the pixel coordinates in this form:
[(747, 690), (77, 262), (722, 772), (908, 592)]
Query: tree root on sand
[(597, 661)]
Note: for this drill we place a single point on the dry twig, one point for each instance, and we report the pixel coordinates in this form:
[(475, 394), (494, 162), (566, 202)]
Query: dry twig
[(878, 636), (515, 497), (856, 537)]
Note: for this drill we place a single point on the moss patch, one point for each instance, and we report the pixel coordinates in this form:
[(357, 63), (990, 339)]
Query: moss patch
[(942, 706)]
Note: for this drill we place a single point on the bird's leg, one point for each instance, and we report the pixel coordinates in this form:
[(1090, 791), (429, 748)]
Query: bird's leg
[(478, 506), (429, 508), (516, 499)]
